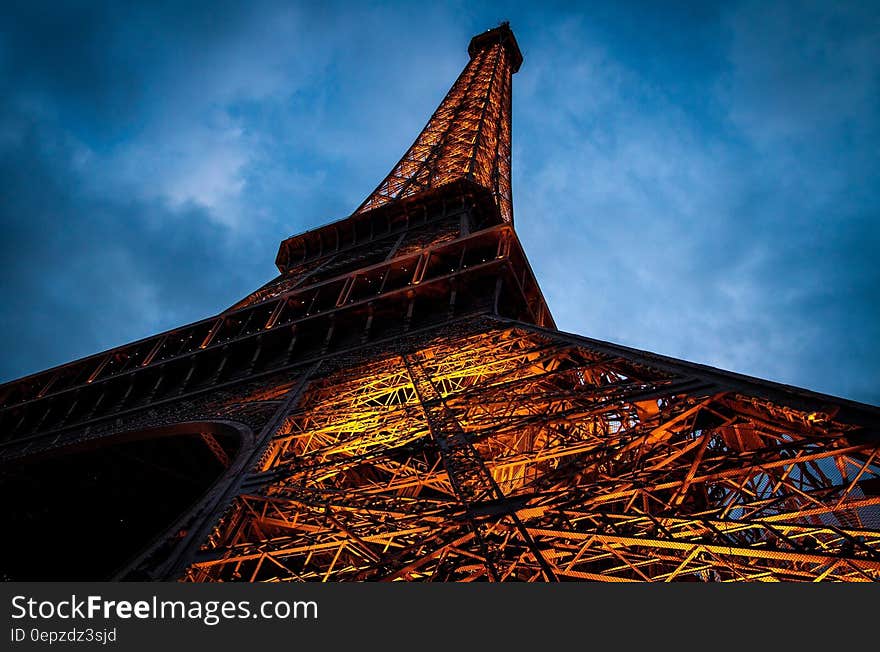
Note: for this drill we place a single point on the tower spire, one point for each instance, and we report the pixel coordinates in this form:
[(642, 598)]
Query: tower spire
[(468, 136)]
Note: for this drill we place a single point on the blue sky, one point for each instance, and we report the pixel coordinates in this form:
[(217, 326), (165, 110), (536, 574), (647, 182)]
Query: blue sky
[(699, 180)]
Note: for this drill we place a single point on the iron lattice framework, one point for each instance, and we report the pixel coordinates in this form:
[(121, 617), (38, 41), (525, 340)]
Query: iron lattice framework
[(407, 410), (499, 451), (469, 134)]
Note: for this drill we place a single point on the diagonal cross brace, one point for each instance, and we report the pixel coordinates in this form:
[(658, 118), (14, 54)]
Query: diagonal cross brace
[(471, 481)]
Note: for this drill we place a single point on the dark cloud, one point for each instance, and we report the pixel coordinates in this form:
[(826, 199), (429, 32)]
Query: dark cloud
[(84, 272), (738, 230), (153, 156)]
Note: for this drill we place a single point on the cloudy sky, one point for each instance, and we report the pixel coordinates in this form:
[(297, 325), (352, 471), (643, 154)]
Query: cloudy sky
[(702, 181)]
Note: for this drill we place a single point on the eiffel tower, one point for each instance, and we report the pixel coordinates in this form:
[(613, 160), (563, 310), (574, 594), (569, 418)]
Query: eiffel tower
[(397, 404)]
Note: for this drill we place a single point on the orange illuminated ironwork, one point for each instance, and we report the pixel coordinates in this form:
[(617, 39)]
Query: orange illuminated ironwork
[(504, 452), (468, 137), (414, 414)]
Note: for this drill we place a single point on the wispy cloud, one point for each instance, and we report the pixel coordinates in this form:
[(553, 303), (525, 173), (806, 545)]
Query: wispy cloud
[(735, 229)]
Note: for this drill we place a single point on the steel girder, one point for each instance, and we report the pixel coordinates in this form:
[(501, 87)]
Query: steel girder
[(515, 453)]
